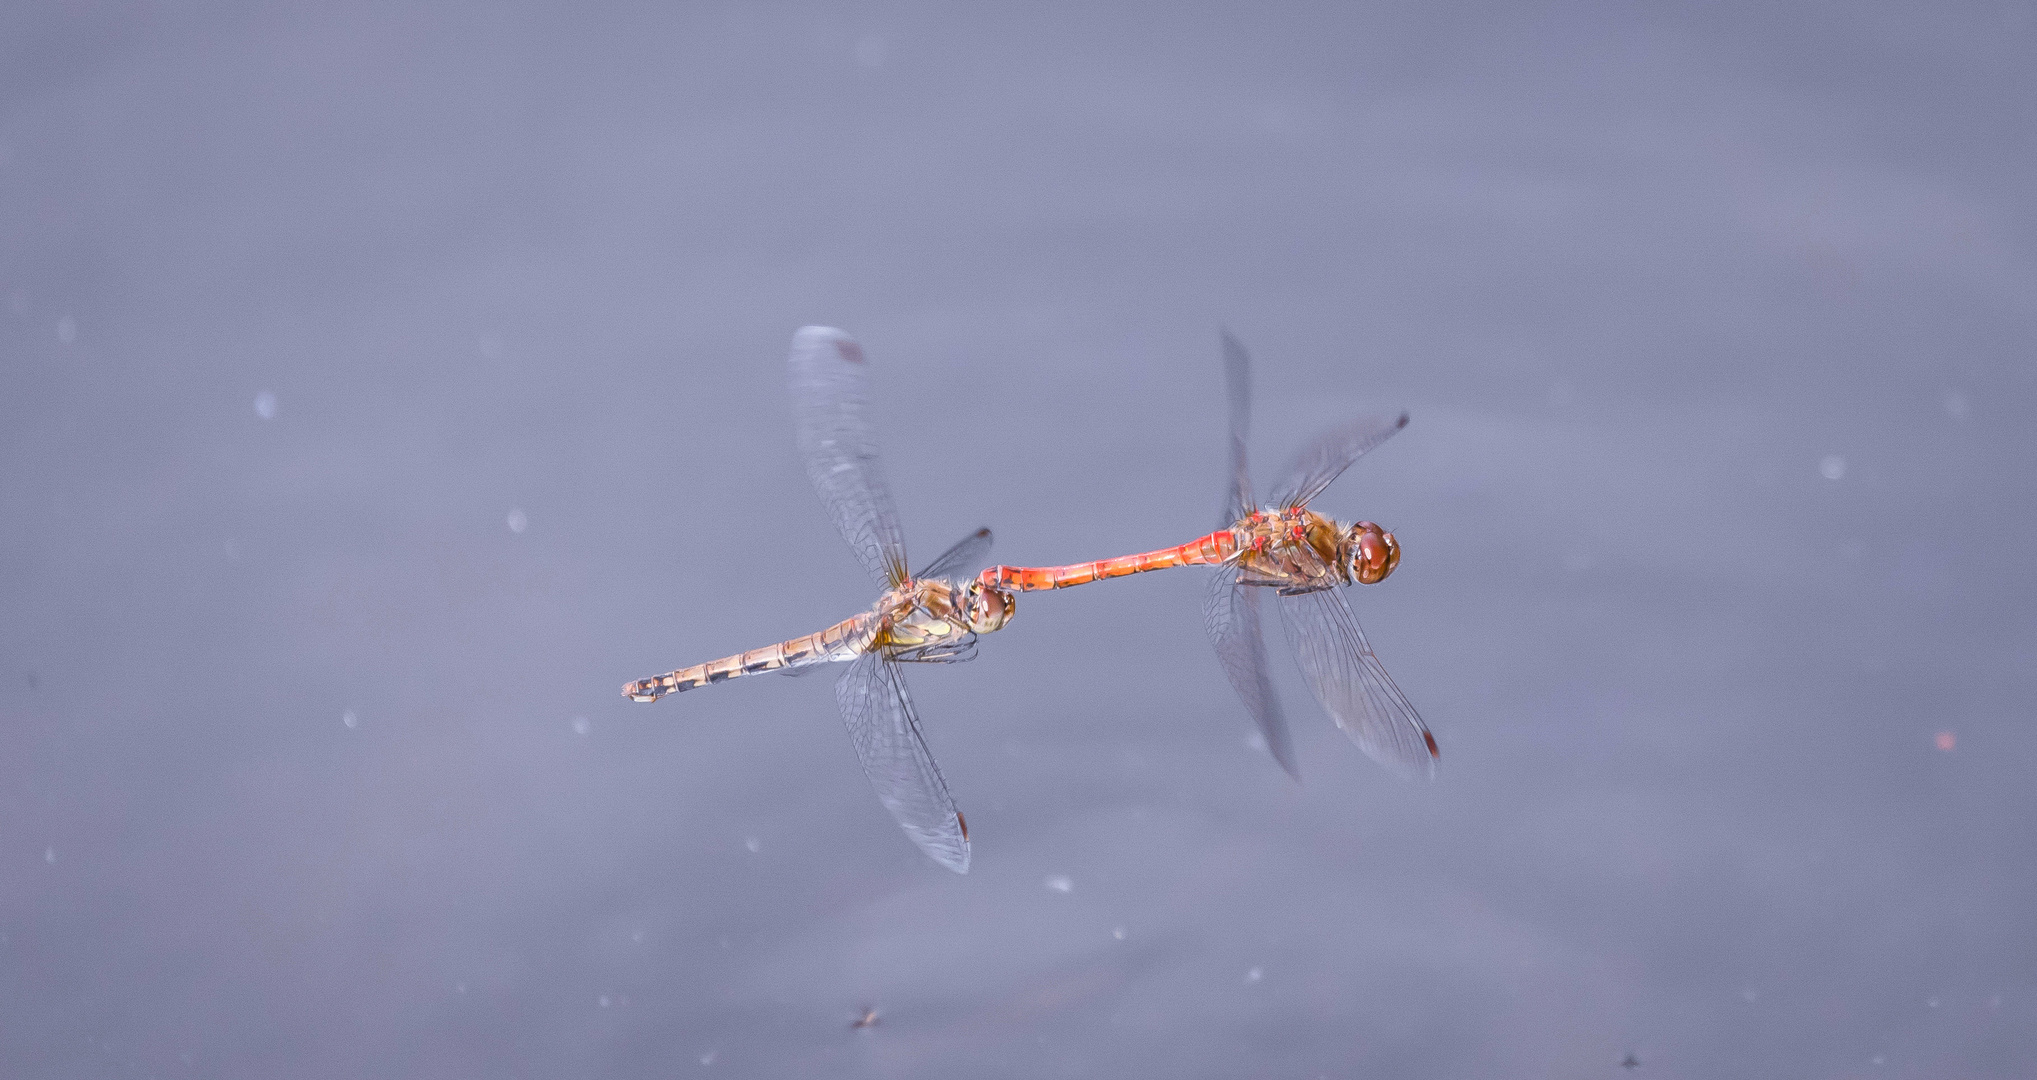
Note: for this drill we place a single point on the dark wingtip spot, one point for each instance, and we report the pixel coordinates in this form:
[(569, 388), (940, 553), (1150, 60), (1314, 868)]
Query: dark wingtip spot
[(1403, 421), (984, 531), (1431, 740), (850, 351), (964, 822)]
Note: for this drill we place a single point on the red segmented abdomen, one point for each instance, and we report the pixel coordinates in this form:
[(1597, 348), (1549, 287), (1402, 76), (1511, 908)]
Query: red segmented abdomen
[(1214, 548), (798, 652)]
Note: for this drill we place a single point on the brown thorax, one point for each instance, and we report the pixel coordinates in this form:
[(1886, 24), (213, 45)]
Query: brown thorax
[(1301, 549), (933, 612)]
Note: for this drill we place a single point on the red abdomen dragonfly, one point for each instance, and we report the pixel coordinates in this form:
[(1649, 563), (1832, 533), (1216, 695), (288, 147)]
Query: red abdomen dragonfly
[(1303, 558), (932, 616)]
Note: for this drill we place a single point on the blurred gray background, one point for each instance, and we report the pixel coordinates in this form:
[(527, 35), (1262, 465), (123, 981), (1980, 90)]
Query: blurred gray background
[(1716, 322)]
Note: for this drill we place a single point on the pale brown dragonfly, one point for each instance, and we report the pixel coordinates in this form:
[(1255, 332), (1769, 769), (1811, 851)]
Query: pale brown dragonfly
[(931, 617), (1303, 557)]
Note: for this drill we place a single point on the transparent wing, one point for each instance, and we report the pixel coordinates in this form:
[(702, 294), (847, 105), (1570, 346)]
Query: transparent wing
[(830, 403), (1353, 688), (1230, 612), (960, 562), (1326, 459), (887, 739), (1238, 377)]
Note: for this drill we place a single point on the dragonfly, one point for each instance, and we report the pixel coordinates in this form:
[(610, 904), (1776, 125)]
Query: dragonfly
[(1303, 558), (929, 617)]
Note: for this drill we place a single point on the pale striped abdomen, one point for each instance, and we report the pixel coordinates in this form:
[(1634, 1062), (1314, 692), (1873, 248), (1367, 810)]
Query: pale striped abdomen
[(1214, 548), (841, 641)]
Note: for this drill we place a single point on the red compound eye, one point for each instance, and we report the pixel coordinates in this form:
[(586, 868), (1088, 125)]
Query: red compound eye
[(1374, 553)]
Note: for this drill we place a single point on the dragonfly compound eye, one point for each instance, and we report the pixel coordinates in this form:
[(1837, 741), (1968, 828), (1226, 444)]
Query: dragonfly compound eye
[(985, 610), (1373, 553)]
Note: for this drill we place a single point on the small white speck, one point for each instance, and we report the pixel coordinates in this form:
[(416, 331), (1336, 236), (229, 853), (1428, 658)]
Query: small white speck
[(459, 988), (518, 522), (1254, 975), (1834, 467), (67, 329), (49, 854), (871, 51), (581, 726), (1750, 995), (1060, 883), (707, 1058), (637, 937), (604, 1000), (1118, 932), (755, 845), (265, 405), (1995, 1002), (1933, 1003), (1956, 404), (490, 346), (349, 719), (1876, 1060), (1256, 742)]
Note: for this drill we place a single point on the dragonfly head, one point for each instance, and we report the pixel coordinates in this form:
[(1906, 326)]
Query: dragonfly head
[(984, 609), (1370, 553)]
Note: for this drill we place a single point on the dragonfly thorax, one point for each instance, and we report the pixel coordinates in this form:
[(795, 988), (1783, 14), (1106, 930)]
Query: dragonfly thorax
[(1299, 548), (933, 612)]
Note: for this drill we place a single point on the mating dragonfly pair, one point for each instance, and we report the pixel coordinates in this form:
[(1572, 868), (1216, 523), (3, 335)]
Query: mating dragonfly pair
[(936, 614)]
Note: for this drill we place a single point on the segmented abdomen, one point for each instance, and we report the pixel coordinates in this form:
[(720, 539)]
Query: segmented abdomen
[(1214, 548), (838, 642)]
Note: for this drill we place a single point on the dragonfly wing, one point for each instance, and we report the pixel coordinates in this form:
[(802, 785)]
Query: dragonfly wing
[(1238, 377), (895, 758), (1230, 612), (1326, 459), (961, 561), (830, 399), (1352, 686)]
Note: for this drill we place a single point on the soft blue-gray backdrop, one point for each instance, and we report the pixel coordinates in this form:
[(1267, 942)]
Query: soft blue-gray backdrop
[(1716, 322)]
